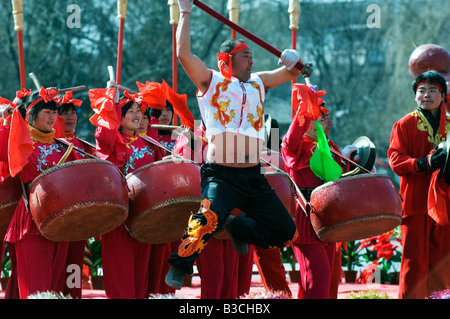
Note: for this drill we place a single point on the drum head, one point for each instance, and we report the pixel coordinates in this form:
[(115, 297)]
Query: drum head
[(78, 200), (359, 228), (165, 222), (87, 220), (166, 193), (355, 207)]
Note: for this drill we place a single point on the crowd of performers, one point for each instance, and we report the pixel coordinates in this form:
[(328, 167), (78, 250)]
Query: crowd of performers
[(37, 127)]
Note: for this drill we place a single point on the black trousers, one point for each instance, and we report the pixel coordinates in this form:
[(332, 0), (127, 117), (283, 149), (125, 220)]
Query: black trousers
[(265, 222)]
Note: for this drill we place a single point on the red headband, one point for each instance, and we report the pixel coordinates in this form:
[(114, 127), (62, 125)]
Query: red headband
[(225, 57), (433, 83)]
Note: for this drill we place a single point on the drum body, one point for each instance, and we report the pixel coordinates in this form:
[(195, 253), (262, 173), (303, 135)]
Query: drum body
[(78, 200), (10, 193), (355, 207), (165, 194)]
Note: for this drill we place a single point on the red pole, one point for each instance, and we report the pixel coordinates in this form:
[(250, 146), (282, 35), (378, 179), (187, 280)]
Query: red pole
[(174, 58), (23, 84), (174, 67)]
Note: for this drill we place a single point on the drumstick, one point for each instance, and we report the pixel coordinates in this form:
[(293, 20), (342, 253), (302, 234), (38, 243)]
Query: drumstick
[(304, 203), (350, 161), (75, 88), (120, 87), (35, 80), (155, 142), (172, 127), (66, 154), (76, 148), (111, 73), (165, 127)]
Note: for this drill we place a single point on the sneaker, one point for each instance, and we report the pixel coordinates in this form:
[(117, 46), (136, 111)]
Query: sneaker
[(240, 247), (175, 277)]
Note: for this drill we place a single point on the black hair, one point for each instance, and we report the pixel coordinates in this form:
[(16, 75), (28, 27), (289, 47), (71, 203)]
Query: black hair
[(126, 107), (229, 45), (156, 113), (66, 107), (431, 77), (147, 113), (23, 104)]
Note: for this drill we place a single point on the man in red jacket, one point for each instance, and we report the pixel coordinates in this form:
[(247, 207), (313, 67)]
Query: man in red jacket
[(415, 157)]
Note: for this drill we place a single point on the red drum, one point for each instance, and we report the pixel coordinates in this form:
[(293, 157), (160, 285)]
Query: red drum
[(165, 194), (355, 207), (10, 193), (283, 187), (78, 200)]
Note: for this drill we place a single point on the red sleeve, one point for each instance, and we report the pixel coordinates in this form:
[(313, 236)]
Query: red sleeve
[(292, 144), (4, 134), (106, 140), (400, 160)]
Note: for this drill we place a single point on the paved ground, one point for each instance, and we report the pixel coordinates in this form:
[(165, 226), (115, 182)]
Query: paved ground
[(193, 292)]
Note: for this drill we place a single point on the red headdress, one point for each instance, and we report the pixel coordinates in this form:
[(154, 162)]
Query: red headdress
[(20, 144), (308, 102), (180, 107), (224, 58), (155, 96), (68, 99), (20, 94)]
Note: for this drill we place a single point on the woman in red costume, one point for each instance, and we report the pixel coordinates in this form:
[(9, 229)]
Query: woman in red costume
[(31, 150), (415, 157), (125, 260), (315, 257)]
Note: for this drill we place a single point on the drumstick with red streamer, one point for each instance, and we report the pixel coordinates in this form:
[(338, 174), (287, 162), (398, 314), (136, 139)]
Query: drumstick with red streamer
[(17, 6), (305, 69), (308, 82)]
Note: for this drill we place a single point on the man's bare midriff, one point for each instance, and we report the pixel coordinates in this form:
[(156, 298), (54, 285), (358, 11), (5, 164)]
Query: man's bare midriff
[(234, 150)]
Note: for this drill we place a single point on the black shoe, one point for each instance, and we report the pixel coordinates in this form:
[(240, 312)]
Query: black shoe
[(175, 277), (240, 247)]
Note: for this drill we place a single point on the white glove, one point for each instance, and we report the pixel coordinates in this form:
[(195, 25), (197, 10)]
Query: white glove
[(289, 58), (5, 110), (185, 5), (349, 150)]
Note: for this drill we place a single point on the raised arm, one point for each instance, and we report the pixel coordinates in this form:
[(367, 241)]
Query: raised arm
[(287, 72), (197, 71)]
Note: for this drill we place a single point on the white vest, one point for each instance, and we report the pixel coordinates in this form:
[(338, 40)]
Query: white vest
[(233, 106)]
